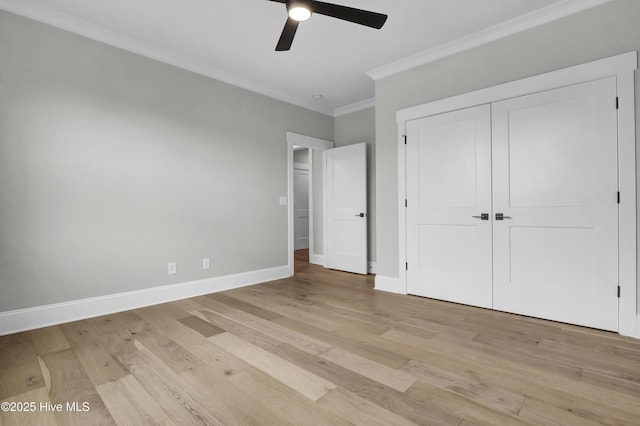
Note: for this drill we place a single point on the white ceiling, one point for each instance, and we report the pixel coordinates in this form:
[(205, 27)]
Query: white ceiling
[(234, 40)]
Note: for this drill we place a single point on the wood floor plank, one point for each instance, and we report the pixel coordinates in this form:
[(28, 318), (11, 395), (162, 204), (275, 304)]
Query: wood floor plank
[(359, 411), (373, 353), (210, 355), (395, 379), (244, 332), (19, 365), (70, 384), (545, 414), (299, 340), (301, 310), (231, 405), (481, 393), (129, 403), (244, 306), (417, 411), (402, 337), (180, 402), (85, 340), (205, 328), (462, 407), (293, 407), (170, 352), (298, 379), (164, 317), (49, 339), (616, 384)]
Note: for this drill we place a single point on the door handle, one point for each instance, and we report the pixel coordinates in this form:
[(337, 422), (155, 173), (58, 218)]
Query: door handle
[(483, 216), (501, 216), (361, 215)]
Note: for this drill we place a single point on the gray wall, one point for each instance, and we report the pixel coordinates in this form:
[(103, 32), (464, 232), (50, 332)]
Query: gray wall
[(112, 165), (356, 127), (603, 31)]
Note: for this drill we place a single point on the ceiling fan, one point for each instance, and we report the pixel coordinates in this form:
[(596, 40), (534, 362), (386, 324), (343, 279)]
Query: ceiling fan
[(301, 10)]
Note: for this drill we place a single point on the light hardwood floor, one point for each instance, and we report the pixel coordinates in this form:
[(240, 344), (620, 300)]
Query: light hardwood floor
[(320, 348)]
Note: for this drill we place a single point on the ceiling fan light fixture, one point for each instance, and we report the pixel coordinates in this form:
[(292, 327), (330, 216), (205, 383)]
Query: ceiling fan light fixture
[(299, 10)]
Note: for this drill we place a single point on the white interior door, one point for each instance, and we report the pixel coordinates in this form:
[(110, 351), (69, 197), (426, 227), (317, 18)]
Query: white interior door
[(346, 190), (555, 177), (301, 208), (448, 191)]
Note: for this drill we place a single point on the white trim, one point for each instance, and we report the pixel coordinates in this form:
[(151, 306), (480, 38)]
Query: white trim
[(372, 267), (59, 313), (358, 106), (627, 245), (83, 28), (389, 284), (296, 139), (533, 19), (622, 67), (637, 334), (316, 259)]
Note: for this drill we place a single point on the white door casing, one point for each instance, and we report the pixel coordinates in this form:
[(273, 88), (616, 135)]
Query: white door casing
[(315, 145), (301, 206), (622, 67), (346, 212), (555, 176), (449, 188)]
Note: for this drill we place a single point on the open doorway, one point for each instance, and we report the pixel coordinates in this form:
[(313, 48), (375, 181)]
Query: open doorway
[(314, 148), (301, 203)]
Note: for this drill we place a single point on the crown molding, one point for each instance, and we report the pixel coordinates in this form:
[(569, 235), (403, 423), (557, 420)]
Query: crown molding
[(357, 106), (513, 26), (83, 28)]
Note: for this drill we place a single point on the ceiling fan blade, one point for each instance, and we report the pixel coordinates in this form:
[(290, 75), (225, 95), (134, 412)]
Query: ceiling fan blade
[(279, 1), (358, 16), (286, 38)]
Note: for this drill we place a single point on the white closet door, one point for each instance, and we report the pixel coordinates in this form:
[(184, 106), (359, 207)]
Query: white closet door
[(555, 179), (448, 189), (346, 183)]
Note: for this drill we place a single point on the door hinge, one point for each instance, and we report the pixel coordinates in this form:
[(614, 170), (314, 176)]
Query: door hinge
[(617, 102), (406, 266), (406, 203), (405, 139), (618, 197), (618, 291)]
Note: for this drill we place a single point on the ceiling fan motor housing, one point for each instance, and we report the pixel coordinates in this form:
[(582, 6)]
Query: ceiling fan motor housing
[(300, 6)]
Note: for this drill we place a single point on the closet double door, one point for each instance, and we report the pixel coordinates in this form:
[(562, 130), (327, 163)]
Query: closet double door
[(514, 205)]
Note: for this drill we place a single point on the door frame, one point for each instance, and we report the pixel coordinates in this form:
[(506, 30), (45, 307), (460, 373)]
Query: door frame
[(296, 139), (622, 67)]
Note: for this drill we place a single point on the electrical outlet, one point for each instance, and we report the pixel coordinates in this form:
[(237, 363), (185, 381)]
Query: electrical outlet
[(283, 200), (206, 263), (172, 268)]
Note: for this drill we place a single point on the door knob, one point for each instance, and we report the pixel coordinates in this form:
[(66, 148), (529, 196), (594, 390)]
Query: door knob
[(501, 216), (483, 216)]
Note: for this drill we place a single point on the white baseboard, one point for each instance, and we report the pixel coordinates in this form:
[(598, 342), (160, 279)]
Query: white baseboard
[(59, 313), (390, 284), (373, 267), (638, 327), (316, 259)]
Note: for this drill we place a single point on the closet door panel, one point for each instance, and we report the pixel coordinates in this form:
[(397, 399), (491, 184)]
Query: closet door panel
[(555, 182), (448, 183)]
